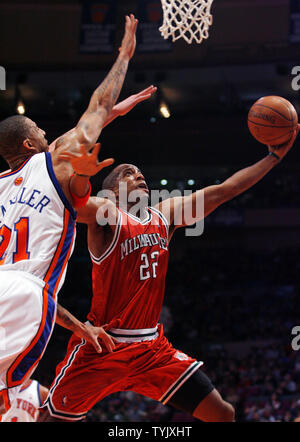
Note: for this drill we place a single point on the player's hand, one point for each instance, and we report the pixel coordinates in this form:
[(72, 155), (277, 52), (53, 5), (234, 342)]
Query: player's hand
[(86, 163), (129, 40), (125, 106), (92, 335), (282, 149)]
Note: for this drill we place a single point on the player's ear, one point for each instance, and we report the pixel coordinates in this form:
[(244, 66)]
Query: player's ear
[(28, 144)]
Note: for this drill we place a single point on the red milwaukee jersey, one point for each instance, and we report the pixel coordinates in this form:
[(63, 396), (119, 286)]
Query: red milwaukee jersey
[(129, 278)]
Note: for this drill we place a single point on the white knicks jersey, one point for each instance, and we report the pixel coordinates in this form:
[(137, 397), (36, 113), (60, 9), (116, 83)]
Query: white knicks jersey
[(37, 223), (25, 407)]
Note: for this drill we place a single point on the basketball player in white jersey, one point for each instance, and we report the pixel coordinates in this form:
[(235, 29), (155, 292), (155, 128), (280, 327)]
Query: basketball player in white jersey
[(37, 222), (25, 407)]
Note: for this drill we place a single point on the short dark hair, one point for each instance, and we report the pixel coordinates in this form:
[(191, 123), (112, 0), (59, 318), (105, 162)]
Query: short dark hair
[(109, 183), (13, 131)]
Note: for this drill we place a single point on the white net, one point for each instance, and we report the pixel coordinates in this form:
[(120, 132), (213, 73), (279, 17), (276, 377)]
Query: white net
[(188, 19)]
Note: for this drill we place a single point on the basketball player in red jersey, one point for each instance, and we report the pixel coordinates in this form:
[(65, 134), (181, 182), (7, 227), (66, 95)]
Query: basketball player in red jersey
[(130, 257)]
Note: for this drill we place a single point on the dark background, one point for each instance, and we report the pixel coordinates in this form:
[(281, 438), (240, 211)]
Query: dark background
[(232, 295)]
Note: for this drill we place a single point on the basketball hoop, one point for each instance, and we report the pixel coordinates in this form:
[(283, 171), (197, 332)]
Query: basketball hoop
[(188, 19)]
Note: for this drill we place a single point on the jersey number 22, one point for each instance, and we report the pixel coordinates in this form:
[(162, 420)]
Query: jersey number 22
[(148, 269)]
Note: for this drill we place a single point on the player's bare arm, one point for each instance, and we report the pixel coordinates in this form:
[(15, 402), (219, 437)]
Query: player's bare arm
[(129, 103), (43, 393), (185, 208), (101, 217), (101, 103), (103, 99), (87, 332), (118, 110)]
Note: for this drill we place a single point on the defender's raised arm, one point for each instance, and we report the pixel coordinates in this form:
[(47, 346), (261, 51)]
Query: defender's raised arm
[(104, 97), (120, 109), (90, 125)]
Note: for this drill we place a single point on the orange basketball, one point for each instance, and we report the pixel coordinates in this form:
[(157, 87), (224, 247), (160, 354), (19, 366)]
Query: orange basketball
[(272, 120)]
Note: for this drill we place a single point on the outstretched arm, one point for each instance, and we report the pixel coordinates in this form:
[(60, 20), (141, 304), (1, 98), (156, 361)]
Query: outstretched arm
[(89, 127), (118, 110), (129, 103), (184, 211), (91, 123)]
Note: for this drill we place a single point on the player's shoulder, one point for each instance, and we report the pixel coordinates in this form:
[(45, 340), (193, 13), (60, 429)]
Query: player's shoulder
[(159, 212), (38, 157), (98, 212)]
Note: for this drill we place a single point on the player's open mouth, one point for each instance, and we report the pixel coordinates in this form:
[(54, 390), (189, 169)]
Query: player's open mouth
[(143, 186)]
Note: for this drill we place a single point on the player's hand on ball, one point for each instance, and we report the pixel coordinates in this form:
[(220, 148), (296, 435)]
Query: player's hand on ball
[(282, 149), (86, 163)]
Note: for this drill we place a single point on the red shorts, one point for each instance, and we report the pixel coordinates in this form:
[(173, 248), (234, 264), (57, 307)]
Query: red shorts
[(150, 368)]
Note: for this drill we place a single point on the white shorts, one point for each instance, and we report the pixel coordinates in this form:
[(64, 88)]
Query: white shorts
[(27, 317)]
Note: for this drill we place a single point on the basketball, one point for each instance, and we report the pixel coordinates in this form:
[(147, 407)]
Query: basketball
[(272, 120)]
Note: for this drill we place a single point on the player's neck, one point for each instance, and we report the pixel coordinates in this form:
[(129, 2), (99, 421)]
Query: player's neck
[(140, 211), (17, 161)]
